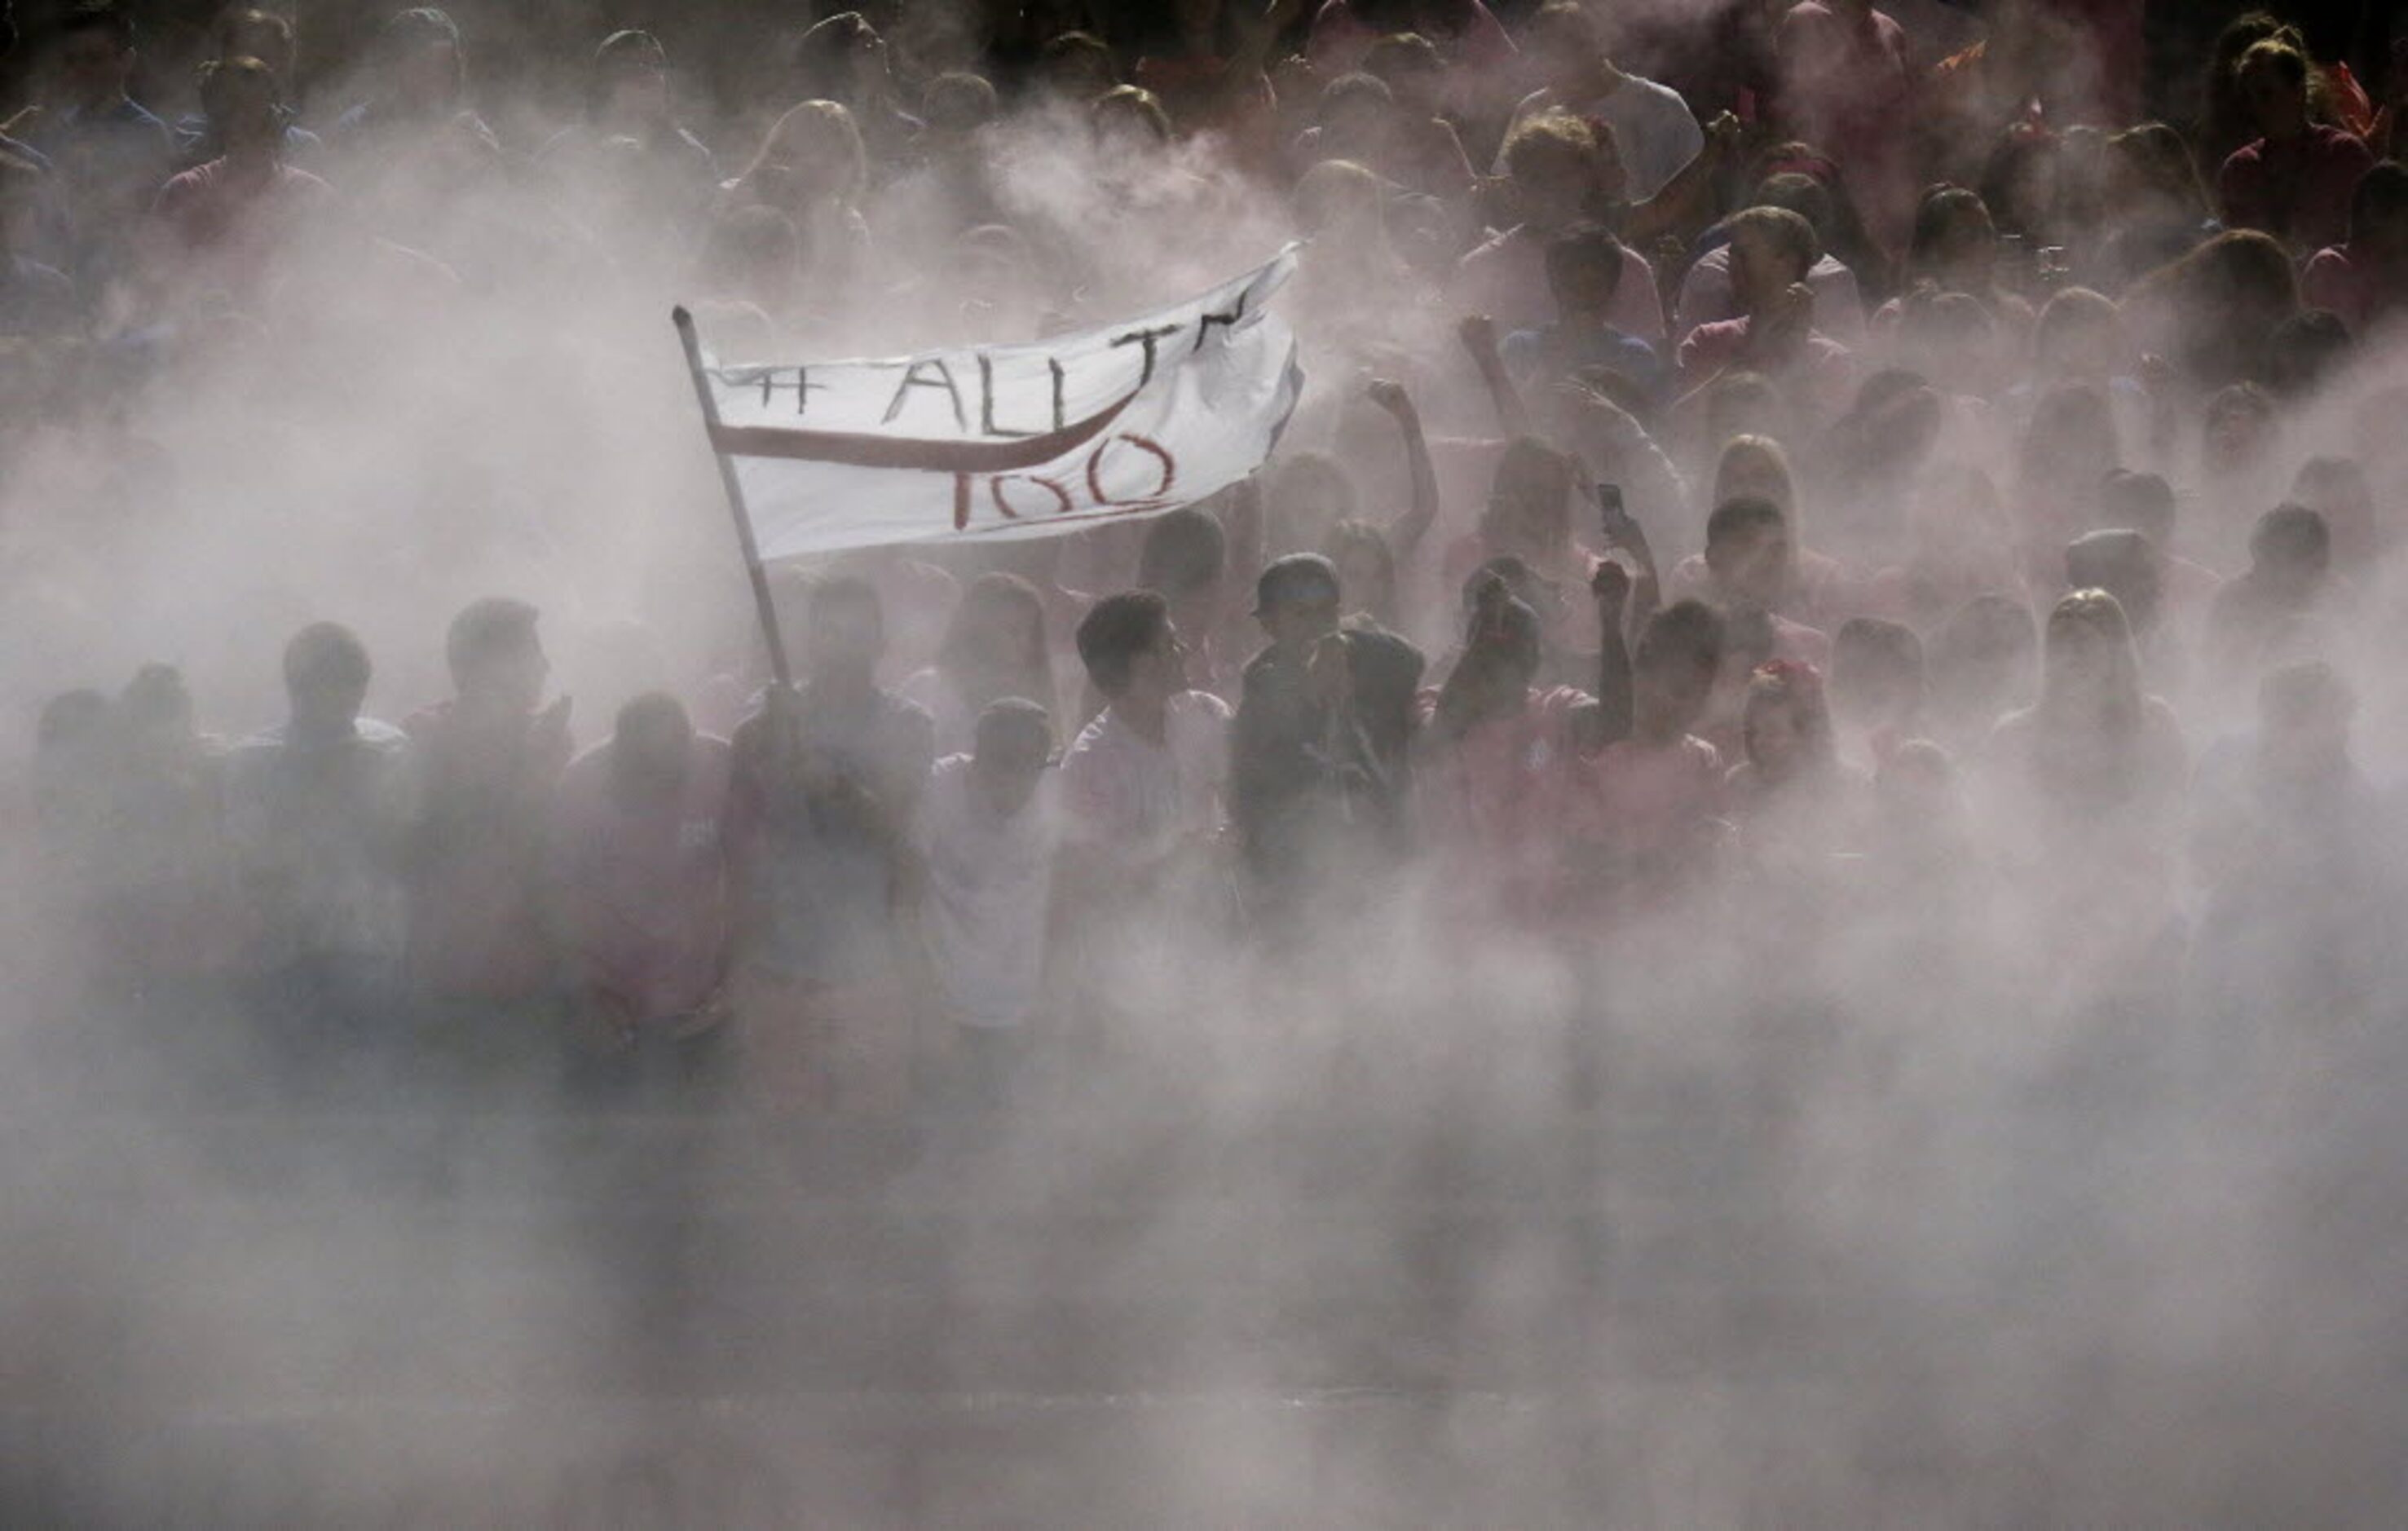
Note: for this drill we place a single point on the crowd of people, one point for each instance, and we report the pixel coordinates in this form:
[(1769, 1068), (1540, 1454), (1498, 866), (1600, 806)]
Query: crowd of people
[(1803, 491)]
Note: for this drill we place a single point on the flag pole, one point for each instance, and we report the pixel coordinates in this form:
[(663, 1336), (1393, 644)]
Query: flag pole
[(764, 607)]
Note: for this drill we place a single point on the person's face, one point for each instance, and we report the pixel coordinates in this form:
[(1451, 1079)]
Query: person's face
[(1419, 86), (1668, 694), (1126, 128), (996, 633), (1496, 677), (2307, 747), (2081, 655), (246, 113), (1863, 693), (638, 92), (869, 60), (1161, 671), (1551, 191), (429, 76), (2293, 576), (1198, 611), (93, 68), (808, 163), (1754, 476), (2125, 180), (1754, 566), (516, 679), (1585, 287), (1007, 778), (1969, 247), (2238, 440), (1359, 119), (1756, 270), (2275, 102), (1303, 618), (650, 754), (846, 636), (327, 704), (1531, 524), (1079, 75), (1304, 516)]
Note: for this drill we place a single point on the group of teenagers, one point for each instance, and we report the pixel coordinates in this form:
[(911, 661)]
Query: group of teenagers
[(1864, 488)]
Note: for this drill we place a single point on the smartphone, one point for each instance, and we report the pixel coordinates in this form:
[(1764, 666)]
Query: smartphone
[(1612, 516)]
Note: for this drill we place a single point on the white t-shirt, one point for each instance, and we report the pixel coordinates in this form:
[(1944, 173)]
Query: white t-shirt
[(1653, 126), (1706, 298), (990, 883), (1135, 799)]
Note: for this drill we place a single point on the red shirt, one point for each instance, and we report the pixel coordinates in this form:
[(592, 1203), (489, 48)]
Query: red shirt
[(218, 203), (2298, 192), (1492, 801)]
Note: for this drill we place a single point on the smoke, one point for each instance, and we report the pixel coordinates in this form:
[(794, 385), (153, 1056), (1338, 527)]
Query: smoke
[(1920, 1184)]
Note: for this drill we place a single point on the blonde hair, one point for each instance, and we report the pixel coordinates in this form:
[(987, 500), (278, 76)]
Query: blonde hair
[(2094, 613), (1132, 102), (1763, 456)]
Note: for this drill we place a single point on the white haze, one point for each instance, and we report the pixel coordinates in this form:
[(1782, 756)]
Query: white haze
[(1882, 1216)]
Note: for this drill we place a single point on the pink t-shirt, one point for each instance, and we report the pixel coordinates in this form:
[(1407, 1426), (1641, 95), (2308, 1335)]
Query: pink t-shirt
[(1643, 814), (1490, 804), (222, 226), (1506, 278), (642, 888), (1822, 377)]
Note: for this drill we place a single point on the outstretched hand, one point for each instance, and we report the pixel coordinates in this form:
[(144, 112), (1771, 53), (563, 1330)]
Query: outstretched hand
[(1610, 586), (1327, 672), (1623, 534), (1478, 333)]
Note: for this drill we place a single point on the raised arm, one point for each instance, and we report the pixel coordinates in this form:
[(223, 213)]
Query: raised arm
[(1478, 334), (1259, 31), (1610, 587), (1405, 533)]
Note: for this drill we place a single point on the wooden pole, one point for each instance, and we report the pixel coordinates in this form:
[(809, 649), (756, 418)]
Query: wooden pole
[(763, 605)]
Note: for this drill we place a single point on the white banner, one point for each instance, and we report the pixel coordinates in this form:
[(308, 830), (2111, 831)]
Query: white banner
[(1013, 441)]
